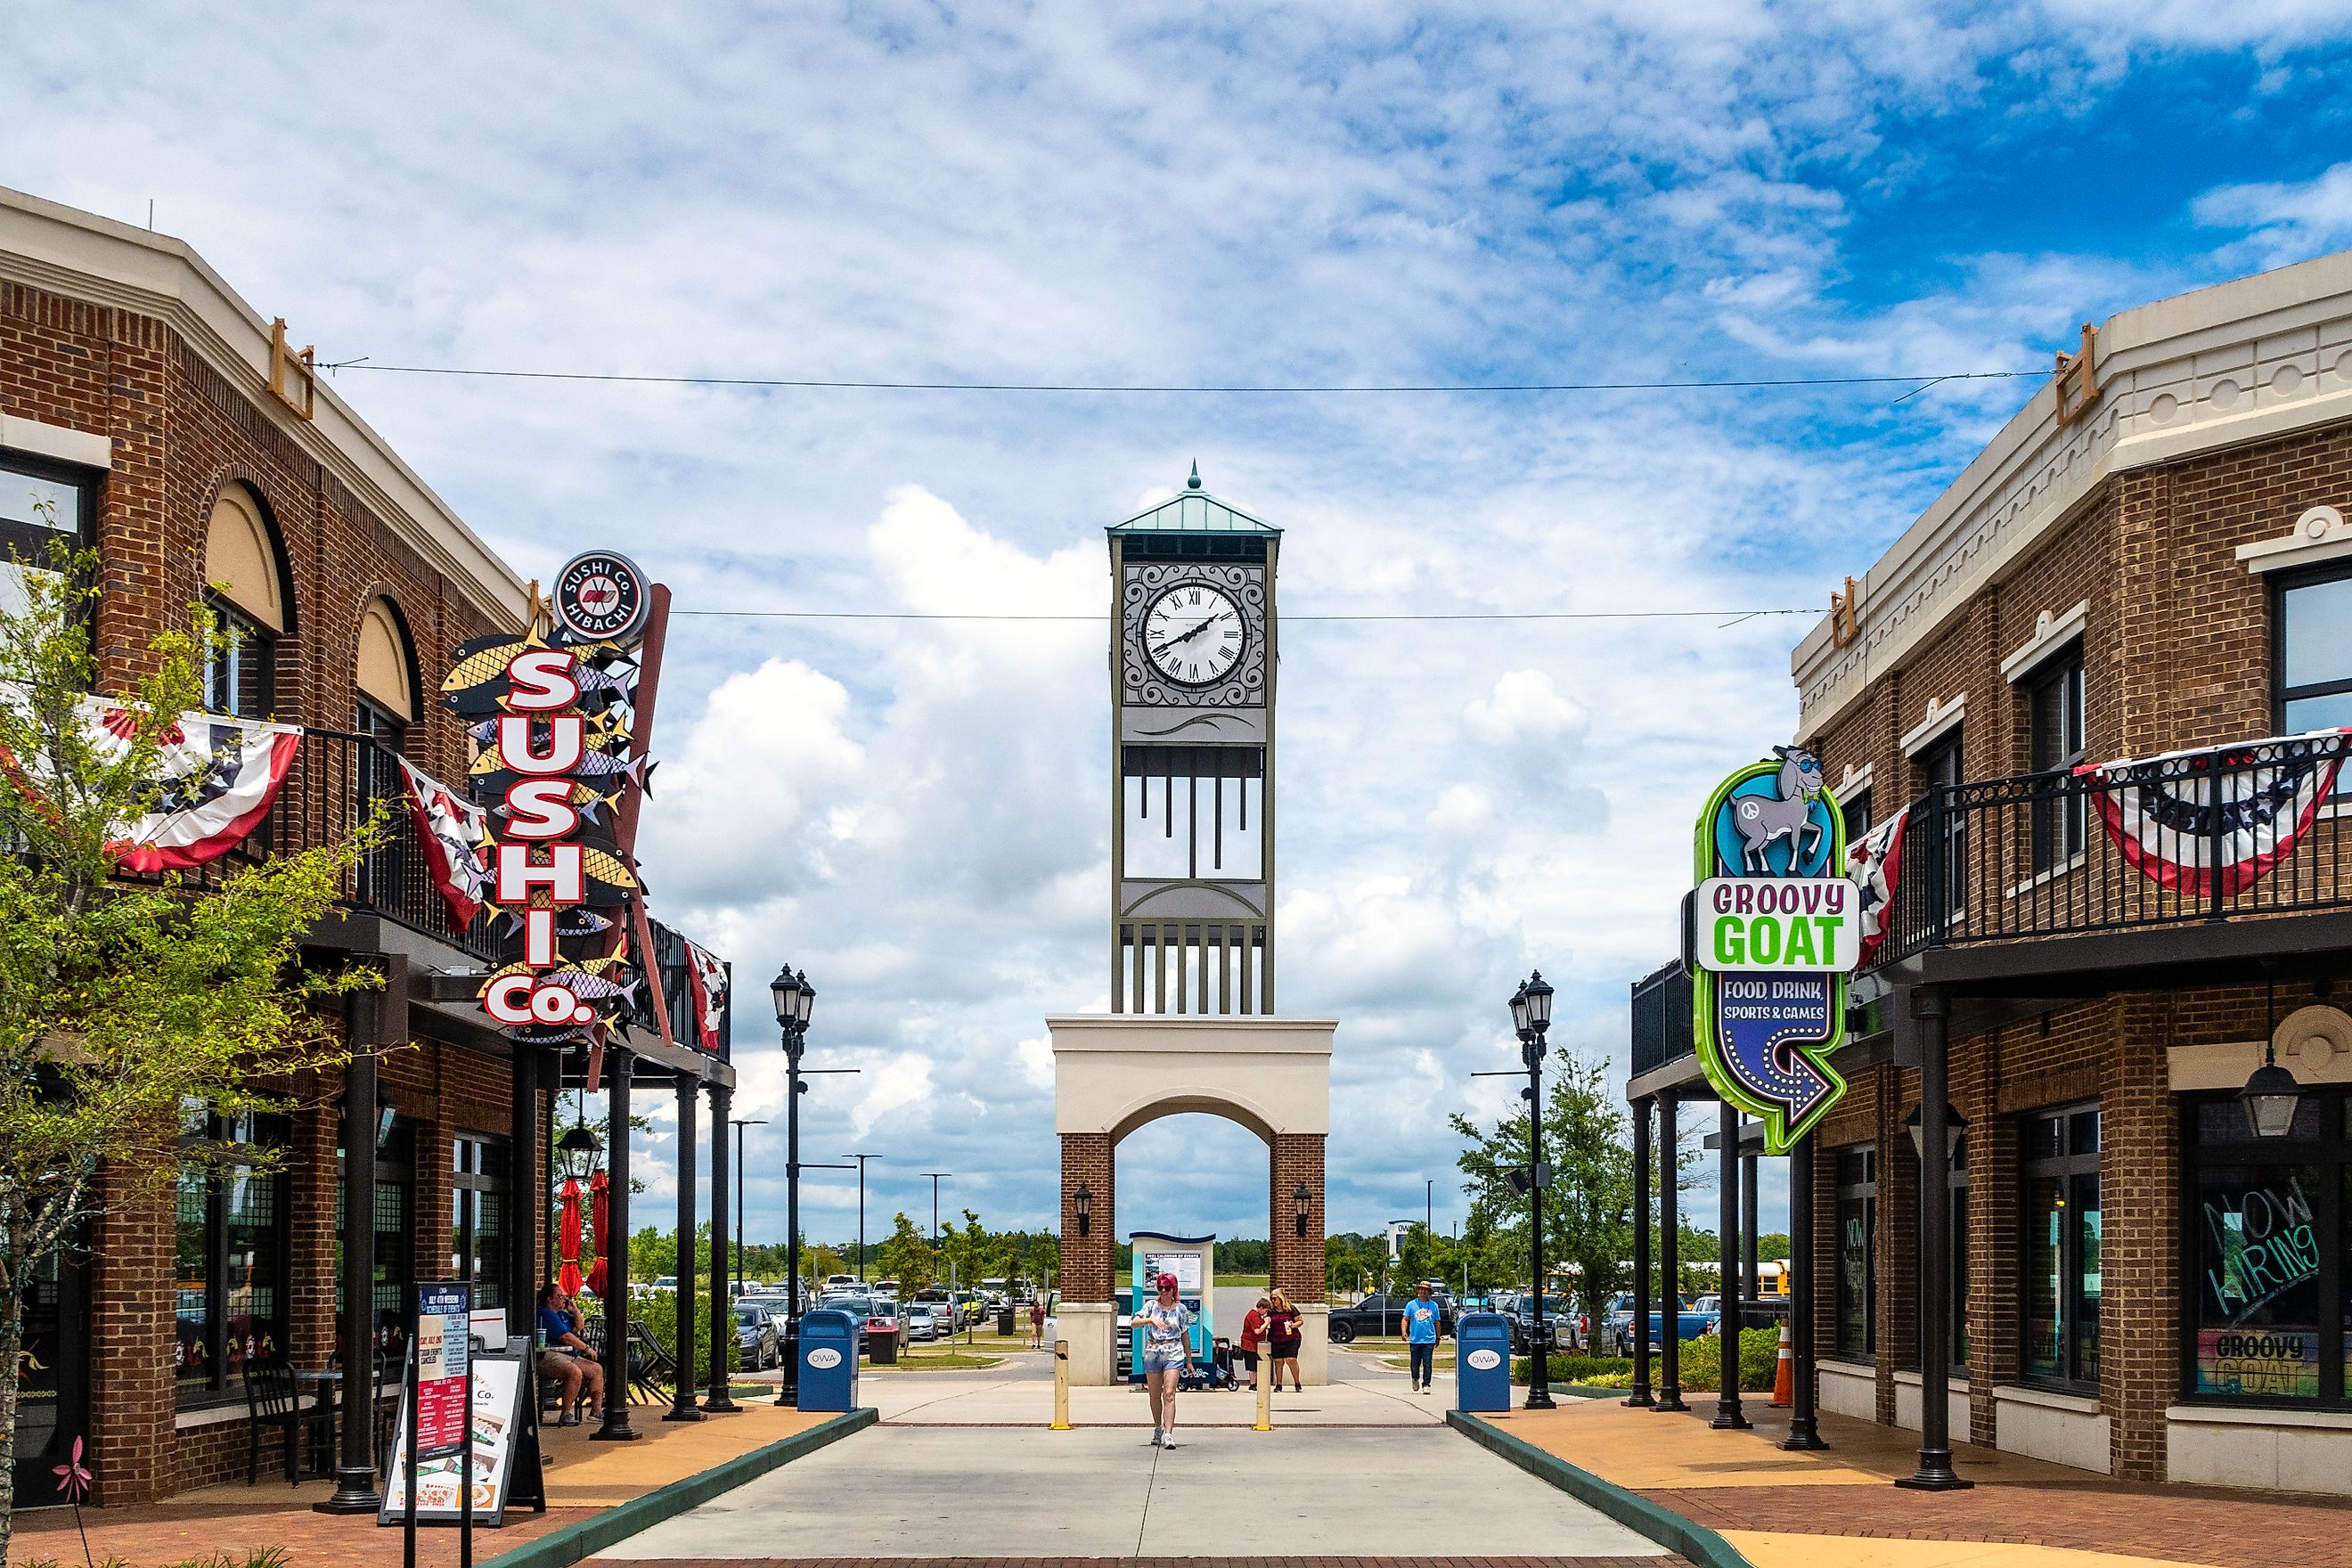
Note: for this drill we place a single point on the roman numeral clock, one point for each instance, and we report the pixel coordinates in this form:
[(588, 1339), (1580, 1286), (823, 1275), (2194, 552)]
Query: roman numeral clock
[(1193, 672)]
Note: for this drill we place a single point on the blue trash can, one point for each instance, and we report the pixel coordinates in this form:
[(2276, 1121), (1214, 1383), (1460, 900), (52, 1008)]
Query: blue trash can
[(1482, 1362), (828, 1352)]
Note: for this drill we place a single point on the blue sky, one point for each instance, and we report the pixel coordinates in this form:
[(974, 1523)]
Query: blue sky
[(1173, 193)]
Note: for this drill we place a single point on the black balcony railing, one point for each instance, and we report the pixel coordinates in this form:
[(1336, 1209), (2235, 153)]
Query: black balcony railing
[(2233, 833), (1661, 1018), (336, 781)]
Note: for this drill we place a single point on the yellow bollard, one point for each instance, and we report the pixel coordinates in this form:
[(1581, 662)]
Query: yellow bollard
[(1061, 1385), (1265, 1392)]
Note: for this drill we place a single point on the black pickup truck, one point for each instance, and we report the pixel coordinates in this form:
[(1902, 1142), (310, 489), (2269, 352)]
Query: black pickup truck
[(1382, 1315)]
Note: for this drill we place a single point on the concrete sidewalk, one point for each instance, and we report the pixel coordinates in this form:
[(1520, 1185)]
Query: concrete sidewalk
[(1021, 1394), (1839, 1508)]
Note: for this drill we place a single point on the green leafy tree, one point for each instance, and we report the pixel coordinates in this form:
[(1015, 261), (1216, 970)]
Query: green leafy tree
[(1588, 1207), (124, 1004), (907, 1257)]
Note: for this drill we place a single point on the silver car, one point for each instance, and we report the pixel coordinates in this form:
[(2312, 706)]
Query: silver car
[(922, 1323), (758, 1344)]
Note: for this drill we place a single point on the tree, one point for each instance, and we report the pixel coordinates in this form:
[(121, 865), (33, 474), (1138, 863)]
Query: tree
[(907, 1257), (824, 1261), (123, 1003), (1588, 1207)]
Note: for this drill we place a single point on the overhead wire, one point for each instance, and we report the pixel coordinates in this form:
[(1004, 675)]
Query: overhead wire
[(1737, 615)]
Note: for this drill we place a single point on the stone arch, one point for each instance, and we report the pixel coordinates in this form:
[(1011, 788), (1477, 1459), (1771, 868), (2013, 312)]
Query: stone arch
[(1114, 1074)]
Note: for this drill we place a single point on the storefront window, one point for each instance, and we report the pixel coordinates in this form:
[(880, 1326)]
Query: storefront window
[(1857, 1250), (2061, 1272), (229, 1253), (2270, 1316), (396, 1233), (477, 1217)]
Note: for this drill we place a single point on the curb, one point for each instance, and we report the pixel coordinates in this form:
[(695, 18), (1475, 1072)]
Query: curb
[(561, 1548), (1703, 1546)]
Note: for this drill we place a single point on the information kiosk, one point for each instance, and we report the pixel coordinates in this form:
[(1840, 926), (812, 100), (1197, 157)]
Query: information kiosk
[(1194, 1260)]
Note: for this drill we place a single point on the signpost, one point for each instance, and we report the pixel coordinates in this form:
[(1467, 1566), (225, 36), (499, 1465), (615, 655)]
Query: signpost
[(1774, 930)]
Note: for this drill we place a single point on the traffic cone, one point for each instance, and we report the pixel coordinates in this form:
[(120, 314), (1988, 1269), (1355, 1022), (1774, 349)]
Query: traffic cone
[(1784, 1376)]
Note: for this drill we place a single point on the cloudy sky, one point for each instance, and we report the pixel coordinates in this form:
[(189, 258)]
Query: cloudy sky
[(916, 812)]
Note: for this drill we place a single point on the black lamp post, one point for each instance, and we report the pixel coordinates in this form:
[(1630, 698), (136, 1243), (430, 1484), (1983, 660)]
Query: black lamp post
[(1530, 1018), (795, 1000)]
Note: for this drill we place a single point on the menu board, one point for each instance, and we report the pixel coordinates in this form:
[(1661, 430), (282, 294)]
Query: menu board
[(501, 1386), (442, 1315), (1185, 1265)]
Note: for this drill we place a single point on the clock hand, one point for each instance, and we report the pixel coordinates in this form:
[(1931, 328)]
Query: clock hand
[(1185, 636)]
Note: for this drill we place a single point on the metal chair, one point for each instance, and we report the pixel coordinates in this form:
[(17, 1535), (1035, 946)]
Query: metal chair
[(270, 1400)]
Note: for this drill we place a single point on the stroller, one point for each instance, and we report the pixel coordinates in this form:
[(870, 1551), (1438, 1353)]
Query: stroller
[(1216, 1372)]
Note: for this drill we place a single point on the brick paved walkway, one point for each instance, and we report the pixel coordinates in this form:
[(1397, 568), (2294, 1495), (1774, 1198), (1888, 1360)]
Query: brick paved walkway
[(1743, 1485), (1668, 1562)]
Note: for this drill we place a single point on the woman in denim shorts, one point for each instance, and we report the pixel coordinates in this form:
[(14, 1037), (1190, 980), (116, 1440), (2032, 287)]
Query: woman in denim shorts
[(1167, 1325)]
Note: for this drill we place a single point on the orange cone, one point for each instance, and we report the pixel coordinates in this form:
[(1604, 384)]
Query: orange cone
[(1784, 1376)]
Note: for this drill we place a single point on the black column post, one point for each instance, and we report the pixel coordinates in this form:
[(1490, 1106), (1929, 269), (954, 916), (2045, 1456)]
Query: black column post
[(1641, 1396), (722, 1328), (1729, 1416), (1750, 1289), (1539, 1327), (689, 1092), (355, 1490), (789, 1391), (1932, 1006), (1670, 1257), (617, 1427), (522, 1240), (1804, 1432)]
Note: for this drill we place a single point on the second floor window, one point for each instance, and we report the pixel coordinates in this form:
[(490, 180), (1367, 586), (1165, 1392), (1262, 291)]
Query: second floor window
[(240, 676), (2054, 699), (1940, 775), (2311, 683)]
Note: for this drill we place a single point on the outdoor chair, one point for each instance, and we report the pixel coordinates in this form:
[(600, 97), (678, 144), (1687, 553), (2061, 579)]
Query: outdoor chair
[(651, 1368), (270, 1400)]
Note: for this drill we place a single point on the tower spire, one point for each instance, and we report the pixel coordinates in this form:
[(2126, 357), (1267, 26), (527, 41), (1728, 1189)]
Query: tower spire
[(1194, 482)]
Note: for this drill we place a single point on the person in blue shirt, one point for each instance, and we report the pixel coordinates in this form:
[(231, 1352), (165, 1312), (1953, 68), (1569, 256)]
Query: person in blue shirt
[(1420, 1320), (564, 1357)]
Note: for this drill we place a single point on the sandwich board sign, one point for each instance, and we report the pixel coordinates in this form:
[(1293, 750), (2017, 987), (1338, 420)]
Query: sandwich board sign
[(1775, 931)]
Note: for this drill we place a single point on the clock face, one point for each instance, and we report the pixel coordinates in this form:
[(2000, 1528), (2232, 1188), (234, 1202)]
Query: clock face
[(1193, 633), (601, 596)]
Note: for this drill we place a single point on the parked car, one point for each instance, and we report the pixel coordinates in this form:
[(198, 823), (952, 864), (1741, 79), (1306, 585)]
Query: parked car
[(1522, 1314), (1617, 1322), (758, 1342), (925, 1322), (1382, 1314), (667, 1283), (1691, 1322)]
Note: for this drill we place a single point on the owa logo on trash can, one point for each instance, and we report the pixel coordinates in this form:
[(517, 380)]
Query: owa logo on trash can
[(824, 1358)]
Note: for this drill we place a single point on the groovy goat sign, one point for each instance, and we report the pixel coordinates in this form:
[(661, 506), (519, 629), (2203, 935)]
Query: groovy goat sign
[(1775, 930)]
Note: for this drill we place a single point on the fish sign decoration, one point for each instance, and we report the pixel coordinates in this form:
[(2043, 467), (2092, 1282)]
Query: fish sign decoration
[(1775, 931), (548, 715)]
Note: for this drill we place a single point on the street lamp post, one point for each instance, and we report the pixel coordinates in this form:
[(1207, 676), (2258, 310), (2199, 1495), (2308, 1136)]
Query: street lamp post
[(795, 1000), (1530, 1018), (861, 1160)]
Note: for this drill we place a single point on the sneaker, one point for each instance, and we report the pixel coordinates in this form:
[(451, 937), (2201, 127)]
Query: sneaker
[(1168, 1441), (1155, 1438)]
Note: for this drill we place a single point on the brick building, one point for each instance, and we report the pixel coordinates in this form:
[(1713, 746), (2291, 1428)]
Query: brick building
[(2149, 559), (164, 422)]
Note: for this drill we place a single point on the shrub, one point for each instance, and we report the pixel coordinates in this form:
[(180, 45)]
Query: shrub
[(1760, 1358), (1596, 1371), (658, 1312)]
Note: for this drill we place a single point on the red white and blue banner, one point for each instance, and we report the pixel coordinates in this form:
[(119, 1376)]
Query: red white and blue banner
[(219, 776), (1875, 865), (705, 977), (2228, 813), (455, 833)]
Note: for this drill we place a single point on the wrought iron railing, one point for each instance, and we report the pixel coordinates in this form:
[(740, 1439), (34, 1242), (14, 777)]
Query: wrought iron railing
[(336, 781), (1661, 1018), (2232, 833)]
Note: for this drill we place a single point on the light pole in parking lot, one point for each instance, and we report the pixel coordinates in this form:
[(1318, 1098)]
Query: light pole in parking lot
[(861, 1160)]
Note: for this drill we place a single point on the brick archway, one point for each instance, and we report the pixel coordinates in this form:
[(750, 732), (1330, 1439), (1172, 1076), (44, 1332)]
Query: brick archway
[(1113, 1075)]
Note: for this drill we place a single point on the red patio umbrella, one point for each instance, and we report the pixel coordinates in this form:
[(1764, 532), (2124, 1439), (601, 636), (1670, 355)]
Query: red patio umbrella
[(568, 1243), (597, 1189)]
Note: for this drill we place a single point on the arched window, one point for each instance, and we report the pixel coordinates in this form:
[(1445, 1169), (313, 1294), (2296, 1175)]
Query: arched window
[(387, 674), (245, 588)]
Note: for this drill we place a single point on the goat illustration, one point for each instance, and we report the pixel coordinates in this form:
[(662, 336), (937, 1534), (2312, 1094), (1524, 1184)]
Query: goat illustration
[(1764, 820)]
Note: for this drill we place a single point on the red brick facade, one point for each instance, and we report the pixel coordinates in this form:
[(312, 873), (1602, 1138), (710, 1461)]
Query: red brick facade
[(2176, 654), (181, 430)]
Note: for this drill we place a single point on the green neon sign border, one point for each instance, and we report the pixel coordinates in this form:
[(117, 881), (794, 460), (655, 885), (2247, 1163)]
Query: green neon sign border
[(1779, 1135)]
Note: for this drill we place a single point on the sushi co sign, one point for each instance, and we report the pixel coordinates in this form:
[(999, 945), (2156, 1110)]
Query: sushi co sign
[(549, 716), (1774, 930)]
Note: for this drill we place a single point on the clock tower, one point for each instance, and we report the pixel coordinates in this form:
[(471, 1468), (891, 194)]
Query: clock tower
[(1192, 667)]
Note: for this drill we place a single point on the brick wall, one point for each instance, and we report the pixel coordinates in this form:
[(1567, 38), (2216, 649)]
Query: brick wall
[(1297, 1264), (1088, 1159)]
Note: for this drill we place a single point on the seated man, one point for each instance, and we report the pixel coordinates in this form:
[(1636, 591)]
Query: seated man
[(565, 1356)]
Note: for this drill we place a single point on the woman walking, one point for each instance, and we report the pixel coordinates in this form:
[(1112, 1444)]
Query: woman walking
[(1167, 1325), (1283, 1328)]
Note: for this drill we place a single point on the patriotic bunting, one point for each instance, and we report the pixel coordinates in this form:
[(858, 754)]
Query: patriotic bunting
[(220, 776), (2229, 811), (707, 978), (453, 831), (1875, 865)]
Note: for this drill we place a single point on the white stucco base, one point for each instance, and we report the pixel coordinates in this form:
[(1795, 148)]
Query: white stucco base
[(1907, 1401), (1848, 1390), (1087, 1327), (2060, 1427), (2280, 1450)]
